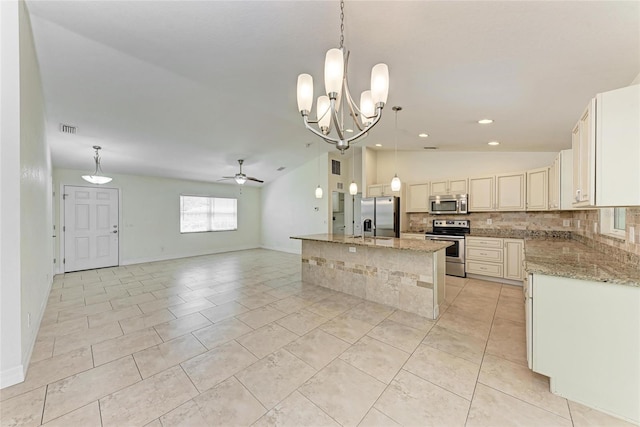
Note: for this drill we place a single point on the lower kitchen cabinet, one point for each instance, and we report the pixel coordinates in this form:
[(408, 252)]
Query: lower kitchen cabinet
[(585, 336), (494, 257)]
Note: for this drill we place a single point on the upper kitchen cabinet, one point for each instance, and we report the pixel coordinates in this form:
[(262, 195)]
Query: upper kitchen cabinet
[(554, 183), (606, 150), (450, 186), (538, 189), (504, 192), (481, 194), (510, 192), (379, 190), (418, 197)]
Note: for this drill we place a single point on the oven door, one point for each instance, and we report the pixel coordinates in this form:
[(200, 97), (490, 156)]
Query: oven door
[(455, 253)]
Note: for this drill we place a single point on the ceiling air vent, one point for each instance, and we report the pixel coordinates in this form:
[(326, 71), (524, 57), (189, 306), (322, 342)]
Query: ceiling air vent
[(68, 129), (281, 168), (430, 148)]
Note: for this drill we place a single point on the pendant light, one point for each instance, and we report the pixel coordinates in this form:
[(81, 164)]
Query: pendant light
[(353, 187), (396, 184), (318, 188), (97, 177)]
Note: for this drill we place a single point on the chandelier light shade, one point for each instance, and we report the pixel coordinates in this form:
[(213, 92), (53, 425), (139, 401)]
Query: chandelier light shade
[(318, 192), (338, 98), (98, 177), (396, 184)]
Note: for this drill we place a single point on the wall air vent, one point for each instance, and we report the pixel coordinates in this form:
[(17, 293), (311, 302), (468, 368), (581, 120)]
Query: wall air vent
[(430, 148), (68, 129), (281, 168)]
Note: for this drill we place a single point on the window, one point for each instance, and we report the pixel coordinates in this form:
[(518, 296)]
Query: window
[(613, 222), (198, 213)]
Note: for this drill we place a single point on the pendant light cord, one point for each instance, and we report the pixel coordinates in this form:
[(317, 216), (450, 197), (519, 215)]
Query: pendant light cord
[(341, 24)]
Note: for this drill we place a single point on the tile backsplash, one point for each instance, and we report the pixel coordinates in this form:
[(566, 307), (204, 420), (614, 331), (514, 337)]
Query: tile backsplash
[(619, 249)]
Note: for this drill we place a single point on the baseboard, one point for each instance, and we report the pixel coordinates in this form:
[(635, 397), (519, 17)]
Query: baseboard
[(186, 255), (282, 249), (495, 279), (12, 376)]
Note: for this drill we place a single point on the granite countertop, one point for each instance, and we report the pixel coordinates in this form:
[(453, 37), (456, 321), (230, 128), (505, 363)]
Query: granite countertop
[(381, 242), (572, 259)]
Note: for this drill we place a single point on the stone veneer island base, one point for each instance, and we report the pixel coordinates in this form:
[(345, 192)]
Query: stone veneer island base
[(405, 274)]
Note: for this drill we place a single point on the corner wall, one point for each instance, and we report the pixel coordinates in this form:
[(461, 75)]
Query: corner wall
[(150, 217), (25, 191), (289, 206)]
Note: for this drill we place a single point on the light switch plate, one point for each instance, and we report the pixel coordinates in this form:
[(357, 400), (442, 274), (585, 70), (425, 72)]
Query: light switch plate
[(595, 227), (632, 234), (489, 221), (566, 222)]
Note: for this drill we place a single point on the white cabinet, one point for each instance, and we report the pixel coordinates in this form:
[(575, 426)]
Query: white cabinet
[(504, 192), (538, 189), (606, 150), (566, 179), (495, 257), (418, 197), (583, 146), (481, 194), (554, 184), (584, 341), (513, 259), (510, 192), (450, 186), (378, 190)]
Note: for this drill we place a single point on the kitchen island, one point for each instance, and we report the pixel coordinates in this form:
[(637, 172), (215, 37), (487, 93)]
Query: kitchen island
[(407, 274)]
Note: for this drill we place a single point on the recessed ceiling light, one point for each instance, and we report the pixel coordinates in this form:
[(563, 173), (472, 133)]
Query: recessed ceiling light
[(493, 143), (378, 145), (423, 135), (485, 121)]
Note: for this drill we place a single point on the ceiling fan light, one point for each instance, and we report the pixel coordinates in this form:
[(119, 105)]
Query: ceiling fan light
[(318, 192), (97, 179), (305, 92), (240, 179), (333, 71), (396, 184), (379, 83)]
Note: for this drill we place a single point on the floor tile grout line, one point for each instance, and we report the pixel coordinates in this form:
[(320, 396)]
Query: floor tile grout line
[(529, 403)]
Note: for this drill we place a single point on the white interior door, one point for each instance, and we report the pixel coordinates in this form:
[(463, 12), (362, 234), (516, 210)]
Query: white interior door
[(91, 228)]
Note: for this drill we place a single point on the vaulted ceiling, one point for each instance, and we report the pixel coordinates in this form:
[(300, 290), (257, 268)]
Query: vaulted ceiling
[(185, 88)]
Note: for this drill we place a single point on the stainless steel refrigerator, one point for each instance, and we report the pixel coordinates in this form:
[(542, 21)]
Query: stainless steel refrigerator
[(380, 216)]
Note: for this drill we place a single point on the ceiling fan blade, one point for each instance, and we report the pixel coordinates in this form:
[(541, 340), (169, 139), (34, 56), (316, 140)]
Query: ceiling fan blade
[(228, 177), (250, 178)]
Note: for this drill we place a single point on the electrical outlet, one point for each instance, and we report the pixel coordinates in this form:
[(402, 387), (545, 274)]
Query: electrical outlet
[(577, 223), (632, 234), (489, 221), (424, 220), (352, 249), (595, 227), (566, 222)]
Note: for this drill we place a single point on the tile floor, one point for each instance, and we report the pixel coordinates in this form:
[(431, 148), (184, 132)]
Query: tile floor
[(236, 339)]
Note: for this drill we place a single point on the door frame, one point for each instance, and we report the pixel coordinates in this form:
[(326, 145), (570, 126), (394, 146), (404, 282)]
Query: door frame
[(61, 249)]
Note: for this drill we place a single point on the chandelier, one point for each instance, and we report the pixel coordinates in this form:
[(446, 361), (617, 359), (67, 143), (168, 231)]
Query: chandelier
[(97, 177), (330, 108)]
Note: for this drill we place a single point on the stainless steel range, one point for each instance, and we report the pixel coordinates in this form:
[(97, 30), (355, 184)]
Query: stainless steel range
[(452, 231)]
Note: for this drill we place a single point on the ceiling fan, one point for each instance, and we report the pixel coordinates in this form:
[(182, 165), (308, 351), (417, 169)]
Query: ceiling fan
[(241, 178)]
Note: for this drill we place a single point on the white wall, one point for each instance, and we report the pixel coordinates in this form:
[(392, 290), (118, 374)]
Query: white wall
[(25, 189), (421, 166), (11, 370), (36, 209), (150, 218), (289, 206)]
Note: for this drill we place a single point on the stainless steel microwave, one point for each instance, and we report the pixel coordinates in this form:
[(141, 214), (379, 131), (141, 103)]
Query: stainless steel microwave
[(449, 204)]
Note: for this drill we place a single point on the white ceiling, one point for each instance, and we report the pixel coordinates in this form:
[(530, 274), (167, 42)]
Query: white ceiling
[(185, 88)]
